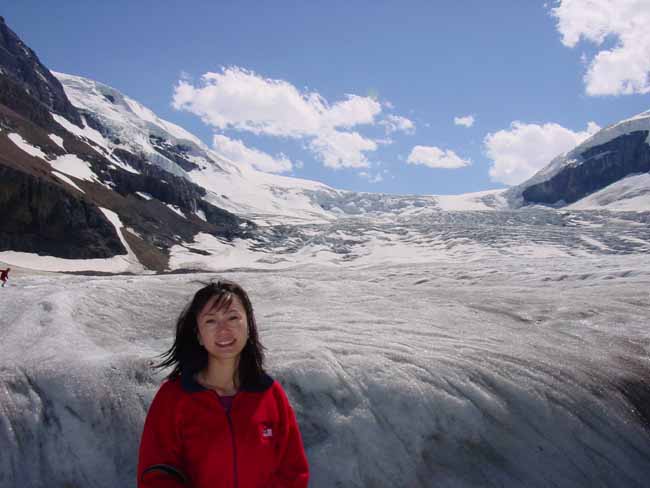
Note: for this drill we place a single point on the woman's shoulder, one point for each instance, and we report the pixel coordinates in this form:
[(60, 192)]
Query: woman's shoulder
[(259, 384), (267, 386), (171, 383), (277, 391), (170, 390)]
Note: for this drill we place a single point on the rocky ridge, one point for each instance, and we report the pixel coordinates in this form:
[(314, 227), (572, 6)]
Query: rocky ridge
[(49, 211)]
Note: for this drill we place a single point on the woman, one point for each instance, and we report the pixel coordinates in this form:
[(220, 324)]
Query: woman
[(219, 420)]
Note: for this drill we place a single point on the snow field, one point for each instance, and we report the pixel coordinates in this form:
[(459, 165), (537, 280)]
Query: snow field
[(499, 372)]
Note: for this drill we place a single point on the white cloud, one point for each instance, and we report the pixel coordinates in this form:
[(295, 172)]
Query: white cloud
[(342, 149), (377, 178), (242, 100), (623, 69), (519, 152), (355, 110), (395, 123), (467, 120), (239, 99), (238, 152), (434, 157)]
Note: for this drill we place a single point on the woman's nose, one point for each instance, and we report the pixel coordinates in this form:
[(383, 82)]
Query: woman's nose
[(222, 324)]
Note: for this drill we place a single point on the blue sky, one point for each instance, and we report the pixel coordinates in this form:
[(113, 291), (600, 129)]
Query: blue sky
[(363, 95)]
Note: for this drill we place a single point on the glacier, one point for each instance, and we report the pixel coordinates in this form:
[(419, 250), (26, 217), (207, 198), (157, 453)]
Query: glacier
[(468, 349)]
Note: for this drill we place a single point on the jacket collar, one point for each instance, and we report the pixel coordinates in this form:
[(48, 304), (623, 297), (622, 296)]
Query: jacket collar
[(190, 385)]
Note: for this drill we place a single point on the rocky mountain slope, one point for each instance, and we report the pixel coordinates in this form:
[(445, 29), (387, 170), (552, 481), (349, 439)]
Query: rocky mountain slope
[(66, 196), (613, 154)]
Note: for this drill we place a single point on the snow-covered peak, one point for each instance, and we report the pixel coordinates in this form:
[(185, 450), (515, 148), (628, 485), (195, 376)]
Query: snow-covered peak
[(574, 157), (238, 188), (636, 123), (241, 189), (132, 126), (112, 106)]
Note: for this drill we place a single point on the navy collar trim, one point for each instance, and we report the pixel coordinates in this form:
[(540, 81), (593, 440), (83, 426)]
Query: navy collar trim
[(190, 385)]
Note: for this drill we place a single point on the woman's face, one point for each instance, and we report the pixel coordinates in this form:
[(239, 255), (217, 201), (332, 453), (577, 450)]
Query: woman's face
[(223, 331)]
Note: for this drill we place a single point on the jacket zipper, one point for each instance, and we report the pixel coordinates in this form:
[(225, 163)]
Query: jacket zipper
[(234, 449), (232, 437)]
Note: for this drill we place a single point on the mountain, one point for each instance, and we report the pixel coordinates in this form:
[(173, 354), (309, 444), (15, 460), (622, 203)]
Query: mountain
[(262, 197), (93, 180), (24, 78), (127, 125), (64, 195), (604, 172)]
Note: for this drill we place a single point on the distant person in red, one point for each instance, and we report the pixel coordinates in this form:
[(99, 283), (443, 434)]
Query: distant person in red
[(4, 276), (219, 420)]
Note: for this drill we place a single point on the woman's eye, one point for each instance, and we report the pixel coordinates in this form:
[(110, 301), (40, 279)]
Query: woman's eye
[(234, 318)]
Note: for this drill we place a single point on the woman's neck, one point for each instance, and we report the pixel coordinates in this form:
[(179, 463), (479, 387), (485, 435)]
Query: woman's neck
[(220, 376)]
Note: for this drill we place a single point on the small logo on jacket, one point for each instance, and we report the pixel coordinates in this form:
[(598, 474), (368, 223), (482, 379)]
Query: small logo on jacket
[(266, 431)]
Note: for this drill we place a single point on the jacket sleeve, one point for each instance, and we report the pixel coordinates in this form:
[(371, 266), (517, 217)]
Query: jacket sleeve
[(159, 460), (293, 470)]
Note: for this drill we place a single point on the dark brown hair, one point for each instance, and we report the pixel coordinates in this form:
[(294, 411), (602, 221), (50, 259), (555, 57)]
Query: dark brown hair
[(187, 356)]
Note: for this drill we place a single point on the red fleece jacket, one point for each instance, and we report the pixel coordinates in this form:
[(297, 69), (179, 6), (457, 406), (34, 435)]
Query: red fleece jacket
[(189, 440)]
